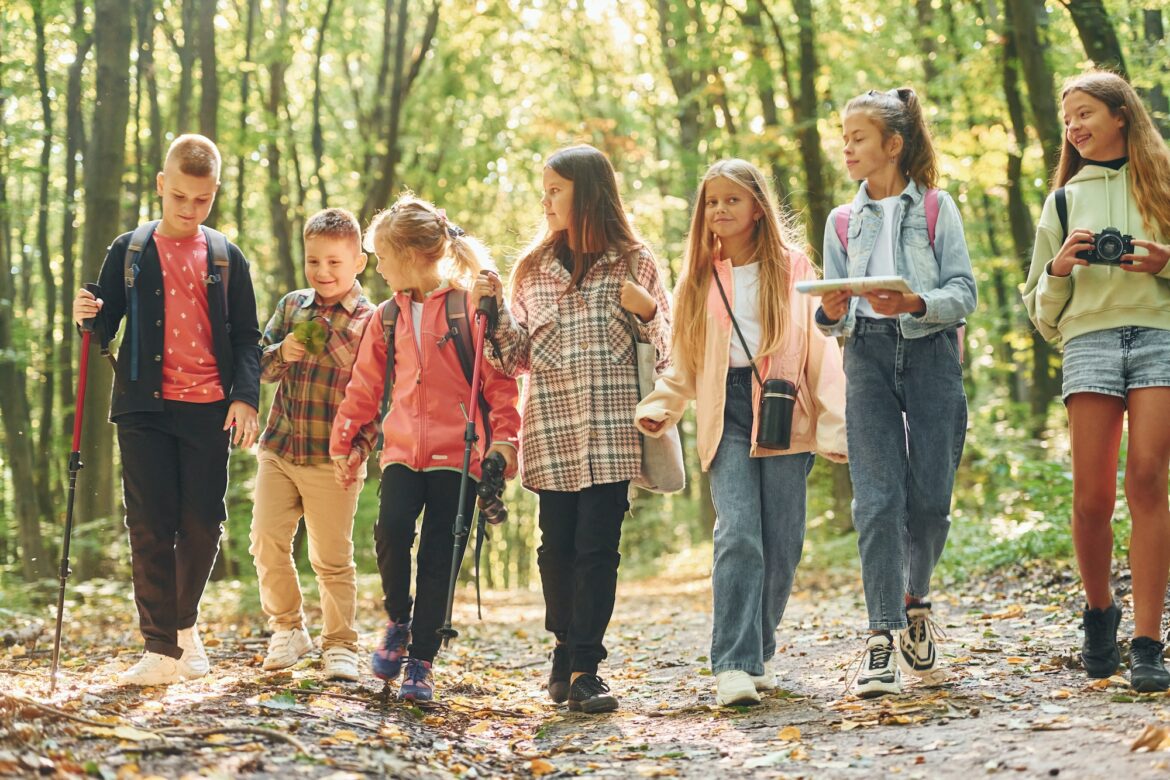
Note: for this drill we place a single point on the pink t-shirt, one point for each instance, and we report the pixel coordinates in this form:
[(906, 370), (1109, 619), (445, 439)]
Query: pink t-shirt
[(189, 370)]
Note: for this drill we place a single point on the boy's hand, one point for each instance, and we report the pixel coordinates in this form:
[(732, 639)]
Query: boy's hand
[(508, 453), (291, 350), (243, 417), (86, 306), (637, 301), (345, 469), (1152, 263), (487, 285), (835, 305)]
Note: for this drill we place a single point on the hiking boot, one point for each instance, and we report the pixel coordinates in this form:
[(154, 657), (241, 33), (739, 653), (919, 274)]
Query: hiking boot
[(590, 694), (734, 687), (917, 652), (286, 647), (1147, 670), (767, 680), (387, 660), (1099, 652), (558, 675), (418, 684), (194, 662), (152, 669), (879, 674), (341, 663)]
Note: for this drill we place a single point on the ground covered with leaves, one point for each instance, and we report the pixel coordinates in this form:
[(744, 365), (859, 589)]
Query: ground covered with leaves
[(1015, 701)]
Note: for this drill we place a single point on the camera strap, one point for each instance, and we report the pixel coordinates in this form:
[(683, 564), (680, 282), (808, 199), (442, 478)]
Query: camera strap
[(1060, 200), (735, 324)]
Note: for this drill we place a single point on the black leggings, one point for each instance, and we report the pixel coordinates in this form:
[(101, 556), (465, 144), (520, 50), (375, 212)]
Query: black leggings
[(405, 494)]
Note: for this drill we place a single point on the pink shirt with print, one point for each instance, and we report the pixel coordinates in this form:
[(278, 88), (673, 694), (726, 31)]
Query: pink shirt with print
[(189, 370)]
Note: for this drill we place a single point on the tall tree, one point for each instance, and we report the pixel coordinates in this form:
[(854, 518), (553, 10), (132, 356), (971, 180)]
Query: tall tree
[(1097, 34), (277, 199), (48, 277), (1033, 54), (183, 42), (105, 162), (245, 92), (208, 83), (318, 135), (1155, 96)]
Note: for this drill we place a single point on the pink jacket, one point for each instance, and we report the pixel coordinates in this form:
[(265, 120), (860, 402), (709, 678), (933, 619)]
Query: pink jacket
[(809, 359), (424, 429)]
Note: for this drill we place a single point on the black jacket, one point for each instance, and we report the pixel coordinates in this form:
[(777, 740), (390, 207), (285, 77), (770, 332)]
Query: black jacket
[(236, 343)]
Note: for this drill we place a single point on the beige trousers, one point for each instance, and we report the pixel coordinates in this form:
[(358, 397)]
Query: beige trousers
[(284, 493)]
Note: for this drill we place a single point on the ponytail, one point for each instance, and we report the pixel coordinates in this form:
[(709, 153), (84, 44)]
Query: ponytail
[(899, 112), (415, 224)]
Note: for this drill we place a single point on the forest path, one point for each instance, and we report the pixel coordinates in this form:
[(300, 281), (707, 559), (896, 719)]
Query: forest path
[(1014, 704)]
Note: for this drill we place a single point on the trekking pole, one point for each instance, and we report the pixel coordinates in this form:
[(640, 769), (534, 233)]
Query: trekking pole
[(483, 314), (75, 465)]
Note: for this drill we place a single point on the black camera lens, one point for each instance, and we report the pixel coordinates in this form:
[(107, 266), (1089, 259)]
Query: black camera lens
[(1110, 247)]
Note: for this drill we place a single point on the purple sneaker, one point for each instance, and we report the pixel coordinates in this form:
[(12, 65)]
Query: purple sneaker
[(387, 660), (418, 684)]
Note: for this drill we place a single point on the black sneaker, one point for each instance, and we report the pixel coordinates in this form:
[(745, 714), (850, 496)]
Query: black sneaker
[(558, 676), (589, 693), (1099, 651), (1147, 671)]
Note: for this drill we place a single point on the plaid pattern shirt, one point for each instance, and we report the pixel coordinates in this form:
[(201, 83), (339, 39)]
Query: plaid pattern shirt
[(310, 390), (577, 425)]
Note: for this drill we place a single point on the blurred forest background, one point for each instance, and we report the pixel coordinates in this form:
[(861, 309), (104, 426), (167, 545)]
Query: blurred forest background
[(321, 103)]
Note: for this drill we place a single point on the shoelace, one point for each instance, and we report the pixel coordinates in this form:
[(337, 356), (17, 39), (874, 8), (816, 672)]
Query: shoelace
[(923, 627), (1145, 654), (416, 673), (873, 654), (592, 685)]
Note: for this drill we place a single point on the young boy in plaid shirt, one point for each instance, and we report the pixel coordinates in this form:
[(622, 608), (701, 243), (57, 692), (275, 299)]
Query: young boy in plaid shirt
[(312, 365)]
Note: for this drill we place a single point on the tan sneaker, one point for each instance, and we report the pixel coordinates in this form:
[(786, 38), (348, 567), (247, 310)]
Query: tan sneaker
[(341, 663), (152, 669), (194, 663), (735, 687), (767, 680), (285, 648)]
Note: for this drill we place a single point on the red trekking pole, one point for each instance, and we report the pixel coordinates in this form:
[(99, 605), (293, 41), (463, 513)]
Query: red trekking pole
[(75, 465)]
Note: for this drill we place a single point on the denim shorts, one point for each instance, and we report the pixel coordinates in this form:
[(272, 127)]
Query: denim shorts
[(1116, 360)]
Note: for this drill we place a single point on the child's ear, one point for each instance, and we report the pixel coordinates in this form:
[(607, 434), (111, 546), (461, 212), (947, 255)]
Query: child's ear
[(362, 259), (894, 145), (159, 181)]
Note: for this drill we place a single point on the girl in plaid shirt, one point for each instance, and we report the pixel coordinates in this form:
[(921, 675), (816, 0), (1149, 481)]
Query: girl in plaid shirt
[(569, 327)]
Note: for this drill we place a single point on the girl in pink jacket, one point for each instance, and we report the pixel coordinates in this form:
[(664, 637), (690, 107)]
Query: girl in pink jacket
[(739, 323), (425, 259)]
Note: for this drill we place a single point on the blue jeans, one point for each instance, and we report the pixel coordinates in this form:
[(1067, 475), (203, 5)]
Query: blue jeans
[(759, 532), (906, 421)]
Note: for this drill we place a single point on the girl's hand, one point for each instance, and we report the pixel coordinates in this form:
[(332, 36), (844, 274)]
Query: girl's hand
[(1078, 240), (243, 417), (508, 453), (345, 469), (636, 300), (291, 350), (892, 302), (85, 306), (487, 285), (1153, 263), (654, 426), (836, 304)]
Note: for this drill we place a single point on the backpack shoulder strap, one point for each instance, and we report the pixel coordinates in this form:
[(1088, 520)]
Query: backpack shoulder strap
[(138, 241), (1062, 212), (218, 262), (931, 204), (841, 216), (459, 325)]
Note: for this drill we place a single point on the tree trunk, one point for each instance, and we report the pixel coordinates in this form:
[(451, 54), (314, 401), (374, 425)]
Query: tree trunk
[(926, 39), (48, 278), (277, 200), (185, 51), (154, 153), (1155, 96), (245, 86), (318, 135), (209, 84), (762, 71), (105, 162), (1097, 34), (1020, 15), (808, 135), (688, 90)]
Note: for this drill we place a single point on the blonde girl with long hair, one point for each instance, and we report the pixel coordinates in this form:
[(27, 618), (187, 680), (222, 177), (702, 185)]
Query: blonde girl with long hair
[(740, 320), (1108, 304)]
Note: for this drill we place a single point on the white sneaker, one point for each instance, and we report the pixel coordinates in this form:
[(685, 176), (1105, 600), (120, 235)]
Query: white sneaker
[(917, 644), (152, 669), (879, 673), (194, 662), (767, 680), (341, 663), (286, 647), (735, 687)]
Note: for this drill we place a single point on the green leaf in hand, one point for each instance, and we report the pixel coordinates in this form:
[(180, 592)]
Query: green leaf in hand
[(313, 335)]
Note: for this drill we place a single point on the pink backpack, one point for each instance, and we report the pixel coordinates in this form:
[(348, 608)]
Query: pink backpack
[(930, 201)]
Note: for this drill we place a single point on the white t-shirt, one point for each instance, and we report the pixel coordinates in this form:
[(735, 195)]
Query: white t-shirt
[(416, 319), (746, 280), (881, 262)]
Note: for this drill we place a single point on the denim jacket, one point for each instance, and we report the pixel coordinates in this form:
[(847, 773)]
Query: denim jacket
[(942, 276)]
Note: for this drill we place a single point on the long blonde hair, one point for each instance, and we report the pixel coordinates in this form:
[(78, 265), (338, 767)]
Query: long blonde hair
[(415, 224), (772, 239), (1149, 160)]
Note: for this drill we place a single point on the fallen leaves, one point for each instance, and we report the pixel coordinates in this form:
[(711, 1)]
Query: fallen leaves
[(1152, 738)]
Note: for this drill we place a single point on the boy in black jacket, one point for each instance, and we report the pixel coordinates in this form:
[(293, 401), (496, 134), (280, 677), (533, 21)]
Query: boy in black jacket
[(188, 371)]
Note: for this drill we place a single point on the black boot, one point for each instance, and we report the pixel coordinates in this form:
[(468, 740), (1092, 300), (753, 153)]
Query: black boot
[(1147, 671), (1099, 651), (558, 676)]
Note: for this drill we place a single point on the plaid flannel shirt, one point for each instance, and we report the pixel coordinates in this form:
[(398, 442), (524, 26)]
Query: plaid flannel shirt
[(311, 389), (577, 425)]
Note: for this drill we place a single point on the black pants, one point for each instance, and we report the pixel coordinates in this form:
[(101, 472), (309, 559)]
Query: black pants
[(406, 493), (578, 558), (174, 478)]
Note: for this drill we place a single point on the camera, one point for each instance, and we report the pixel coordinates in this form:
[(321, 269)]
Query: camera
[(491, 489), (1108, 248)]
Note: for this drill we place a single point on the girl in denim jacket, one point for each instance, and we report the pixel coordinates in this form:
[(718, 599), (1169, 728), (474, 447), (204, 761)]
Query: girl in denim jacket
[(738, 245), (906, 411)]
